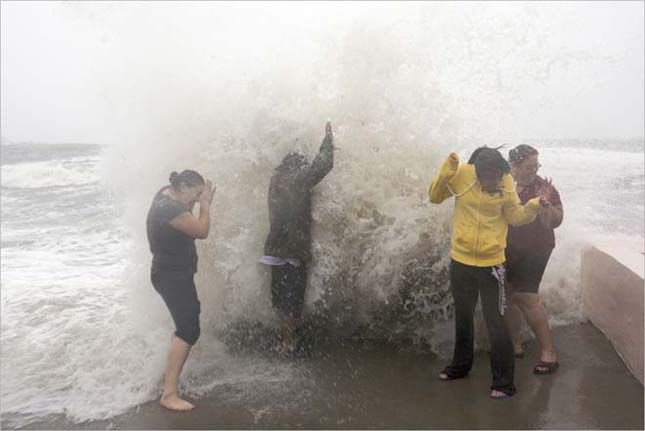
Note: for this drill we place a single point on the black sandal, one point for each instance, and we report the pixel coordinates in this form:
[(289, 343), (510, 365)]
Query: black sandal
[(500, 397)]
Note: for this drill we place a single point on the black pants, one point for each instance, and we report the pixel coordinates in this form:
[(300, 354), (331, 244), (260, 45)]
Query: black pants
[(467, 283), (177, 289), (288, 284)]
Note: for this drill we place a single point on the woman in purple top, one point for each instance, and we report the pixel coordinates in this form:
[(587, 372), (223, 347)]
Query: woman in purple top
[(527, 252)]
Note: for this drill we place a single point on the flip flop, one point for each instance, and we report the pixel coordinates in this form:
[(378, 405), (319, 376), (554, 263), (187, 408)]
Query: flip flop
[(544, 367), (500, 397)]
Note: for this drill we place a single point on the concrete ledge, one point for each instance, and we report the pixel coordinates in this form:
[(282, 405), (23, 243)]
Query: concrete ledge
[(612, 287)]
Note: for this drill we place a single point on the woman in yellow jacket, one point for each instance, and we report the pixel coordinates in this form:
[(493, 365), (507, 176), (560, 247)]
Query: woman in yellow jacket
[(486, 203)]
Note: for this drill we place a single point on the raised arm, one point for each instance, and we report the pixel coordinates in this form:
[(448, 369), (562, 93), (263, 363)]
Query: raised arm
[(553, 214), (515, 213), (439, 190), (196, 227), (324, 161)]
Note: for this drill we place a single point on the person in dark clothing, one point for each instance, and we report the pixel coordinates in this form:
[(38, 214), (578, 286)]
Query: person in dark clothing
[(528, 251), (172, 230), (288, 245)]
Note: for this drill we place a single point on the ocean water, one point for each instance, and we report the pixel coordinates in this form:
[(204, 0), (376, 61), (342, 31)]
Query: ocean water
[(70, 343), (83, 333)]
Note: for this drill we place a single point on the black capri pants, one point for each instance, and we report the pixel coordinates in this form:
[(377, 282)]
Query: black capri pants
[(177, 289), (525, 274)]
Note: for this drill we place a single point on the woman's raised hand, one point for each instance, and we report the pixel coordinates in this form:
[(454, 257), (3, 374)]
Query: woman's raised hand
[(207, 194)]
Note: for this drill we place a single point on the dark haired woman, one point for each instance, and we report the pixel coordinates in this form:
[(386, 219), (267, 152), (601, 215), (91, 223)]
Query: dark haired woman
[(485, 204), (172, 230), (528, 251)]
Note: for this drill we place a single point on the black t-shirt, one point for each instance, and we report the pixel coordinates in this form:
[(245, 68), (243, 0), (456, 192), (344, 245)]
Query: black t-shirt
[(171, 249)]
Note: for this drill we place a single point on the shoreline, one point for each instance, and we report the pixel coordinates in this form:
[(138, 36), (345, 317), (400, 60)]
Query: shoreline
[(363, 388)]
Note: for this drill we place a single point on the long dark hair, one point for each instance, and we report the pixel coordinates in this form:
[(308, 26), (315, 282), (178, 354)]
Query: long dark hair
[(188, 177)]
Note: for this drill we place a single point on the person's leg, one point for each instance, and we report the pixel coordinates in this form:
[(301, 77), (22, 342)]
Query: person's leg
[(278, 294), (514, 319), (285, 284), (180, 295), (277, 290), (295, 284), (288, 333), (177, 355), (538, 321), (502, 360), (464, 292), (526, 296)]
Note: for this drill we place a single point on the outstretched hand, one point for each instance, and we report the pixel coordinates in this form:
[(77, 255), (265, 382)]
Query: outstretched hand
[(329, 135), (544, 192), (544, 201)]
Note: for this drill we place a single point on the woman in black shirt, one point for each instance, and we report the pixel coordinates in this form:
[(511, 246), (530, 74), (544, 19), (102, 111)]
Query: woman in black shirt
[(172, 230)]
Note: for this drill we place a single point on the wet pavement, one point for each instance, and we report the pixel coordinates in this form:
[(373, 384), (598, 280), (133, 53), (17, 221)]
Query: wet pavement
[(379, 388)]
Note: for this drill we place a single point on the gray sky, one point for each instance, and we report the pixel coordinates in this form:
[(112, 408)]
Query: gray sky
[(53, 63)]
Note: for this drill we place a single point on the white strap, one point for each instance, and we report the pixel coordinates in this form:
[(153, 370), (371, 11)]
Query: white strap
[(462, 193)]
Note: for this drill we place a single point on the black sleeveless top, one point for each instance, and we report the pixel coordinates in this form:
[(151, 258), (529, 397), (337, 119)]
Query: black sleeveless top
[(171, 249)]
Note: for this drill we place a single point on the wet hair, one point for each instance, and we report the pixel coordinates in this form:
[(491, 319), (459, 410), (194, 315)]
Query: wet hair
[(489, 159), (291, 162), (521, 152), (187, 177), (474, 155)]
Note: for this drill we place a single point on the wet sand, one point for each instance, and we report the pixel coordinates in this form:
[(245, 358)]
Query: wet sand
[(366, 388)]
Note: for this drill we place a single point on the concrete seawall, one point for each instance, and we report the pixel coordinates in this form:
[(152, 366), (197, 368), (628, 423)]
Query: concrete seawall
[(612, 277)]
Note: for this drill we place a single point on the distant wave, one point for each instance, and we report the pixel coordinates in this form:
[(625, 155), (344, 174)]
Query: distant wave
[(48, 174), (635, 145)]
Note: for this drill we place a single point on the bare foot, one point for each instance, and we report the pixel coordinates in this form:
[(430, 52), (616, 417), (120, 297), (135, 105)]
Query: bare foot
[(498, 395), (173, 402), (443, 376), (547, 356)]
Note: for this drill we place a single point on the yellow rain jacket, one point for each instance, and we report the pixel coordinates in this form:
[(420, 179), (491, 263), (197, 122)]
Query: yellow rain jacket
[(480, 220)]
